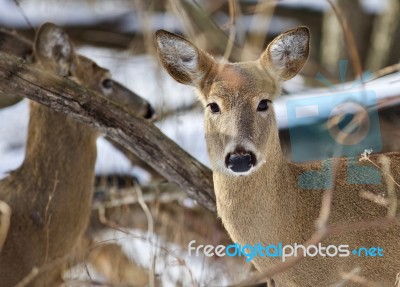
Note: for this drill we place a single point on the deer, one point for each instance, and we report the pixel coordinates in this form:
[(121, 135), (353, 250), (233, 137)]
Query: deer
[(50, 194), (260, 196)]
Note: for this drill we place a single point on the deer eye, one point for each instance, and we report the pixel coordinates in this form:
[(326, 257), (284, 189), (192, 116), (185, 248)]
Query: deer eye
[(107, 84), (214, 108), (263, 105)]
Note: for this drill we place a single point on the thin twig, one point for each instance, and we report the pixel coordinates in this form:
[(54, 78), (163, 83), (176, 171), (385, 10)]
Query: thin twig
[(374, 198), (22, 12), (232, 33), (366, 158), (47, 217), (170, 192), (346, 275), (397, 283), (150, 232), (349, 36), (255, 44), (117, 227), (325, 211), (384, 71), (28, 278), (392, 196)]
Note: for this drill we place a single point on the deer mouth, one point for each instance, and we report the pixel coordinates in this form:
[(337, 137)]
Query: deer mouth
[(240, 161)]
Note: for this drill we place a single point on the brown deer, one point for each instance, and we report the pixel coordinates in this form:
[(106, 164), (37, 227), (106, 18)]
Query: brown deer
[(50, 195), (261, 198)]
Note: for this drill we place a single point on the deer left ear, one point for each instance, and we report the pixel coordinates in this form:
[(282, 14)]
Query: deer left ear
[(287, 53), (53, 49), (183, 61)]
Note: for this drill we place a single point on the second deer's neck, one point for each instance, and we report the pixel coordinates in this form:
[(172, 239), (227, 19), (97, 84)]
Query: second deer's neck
[(57, 143)]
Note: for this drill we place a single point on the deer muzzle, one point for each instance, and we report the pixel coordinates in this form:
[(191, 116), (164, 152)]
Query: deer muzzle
[(240, 160)]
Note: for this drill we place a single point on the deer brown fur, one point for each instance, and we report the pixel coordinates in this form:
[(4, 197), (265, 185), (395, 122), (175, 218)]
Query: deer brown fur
[(50, 195), (260, 197)]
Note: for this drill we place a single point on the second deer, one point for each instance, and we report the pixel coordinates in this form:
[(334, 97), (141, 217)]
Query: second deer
[(50, 195), (261, 198)]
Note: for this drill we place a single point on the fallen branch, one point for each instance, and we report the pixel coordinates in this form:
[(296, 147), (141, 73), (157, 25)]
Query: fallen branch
[(137, 135)]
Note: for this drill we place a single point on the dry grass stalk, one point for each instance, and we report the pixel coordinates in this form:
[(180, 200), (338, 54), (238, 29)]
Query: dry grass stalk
[(350, 41), (378, 199), (232, 32), (25, 281), (392, 196), (150, 232)]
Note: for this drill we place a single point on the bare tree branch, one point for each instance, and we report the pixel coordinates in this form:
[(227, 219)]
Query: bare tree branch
[(139, 136)]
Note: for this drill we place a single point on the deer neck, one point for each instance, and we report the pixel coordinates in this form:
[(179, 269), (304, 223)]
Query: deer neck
[(262, 203), (50, 194), (58, 145)]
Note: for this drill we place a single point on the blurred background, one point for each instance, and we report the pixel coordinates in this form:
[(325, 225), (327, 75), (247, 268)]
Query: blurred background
[(355, 44)]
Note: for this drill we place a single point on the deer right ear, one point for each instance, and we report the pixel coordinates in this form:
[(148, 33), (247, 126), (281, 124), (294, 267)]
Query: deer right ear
[(287, 53), (53, 49), (182, 60)]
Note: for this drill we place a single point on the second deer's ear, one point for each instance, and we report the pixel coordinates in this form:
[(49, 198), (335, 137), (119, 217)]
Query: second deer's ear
[(287, 53), (53, 49), (182, 60)]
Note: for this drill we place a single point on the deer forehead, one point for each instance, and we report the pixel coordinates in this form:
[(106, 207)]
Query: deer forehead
[(90, 73), (241, 82)]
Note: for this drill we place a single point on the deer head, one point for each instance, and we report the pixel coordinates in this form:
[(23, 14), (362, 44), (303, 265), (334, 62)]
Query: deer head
[(241, 130), (54, 51)]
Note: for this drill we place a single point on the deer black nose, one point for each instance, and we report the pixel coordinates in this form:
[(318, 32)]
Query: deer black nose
[(240, 160), (150, 112)]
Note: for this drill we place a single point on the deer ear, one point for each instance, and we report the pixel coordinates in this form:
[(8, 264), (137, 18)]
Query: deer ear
[(54, 49), (182, 60), (287, 53)]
